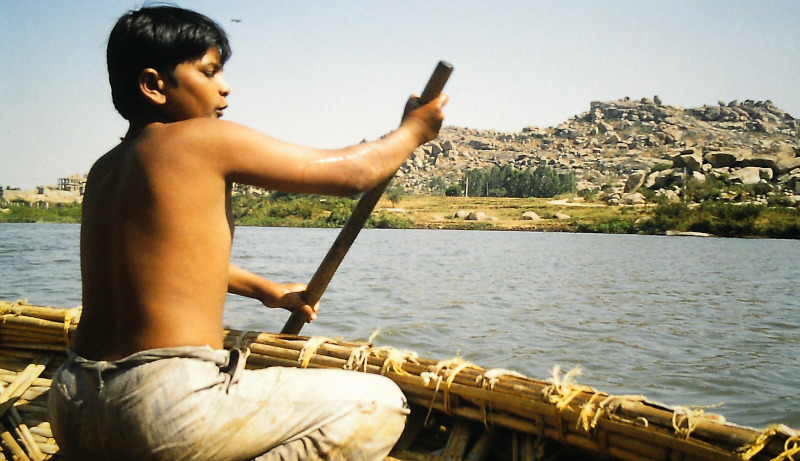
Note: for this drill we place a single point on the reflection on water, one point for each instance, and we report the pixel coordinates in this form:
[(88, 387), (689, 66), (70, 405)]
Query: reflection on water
[(685, 321)]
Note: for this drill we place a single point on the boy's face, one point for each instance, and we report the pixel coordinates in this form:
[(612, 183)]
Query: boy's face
[(199, 89)]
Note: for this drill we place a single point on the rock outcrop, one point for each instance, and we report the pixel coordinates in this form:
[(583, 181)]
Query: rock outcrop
[(624, 147)]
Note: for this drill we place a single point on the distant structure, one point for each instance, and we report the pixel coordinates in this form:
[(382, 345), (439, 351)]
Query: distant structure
[(74, 183)]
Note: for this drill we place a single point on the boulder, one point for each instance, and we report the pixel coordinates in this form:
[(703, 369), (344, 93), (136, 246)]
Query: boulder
[(688, 159), (613, 139), (794, 183), (530, 216), (788, 200), (747, 176), (434, 149), (604, 127), (479, 216), (669, 194), (787, 165), (461, 214), (562, 216), (698, 176), (760, 161), (673, 134), (479, 145), (660, 179), (635, 180), (632, 199), (721, 159)]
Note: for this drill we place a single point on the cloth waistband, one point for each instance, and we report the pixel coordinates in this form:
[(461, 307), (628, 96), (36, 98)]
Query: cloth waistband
[(220, 357)]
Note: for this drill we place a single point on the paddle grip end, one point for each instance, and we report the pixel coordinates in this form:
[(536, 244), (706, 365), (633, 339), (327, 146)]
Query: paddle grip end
[(436, 82)]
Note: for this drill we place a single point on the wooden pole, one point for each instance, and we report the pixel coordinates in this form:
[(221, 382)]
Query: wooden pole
[(361, 213)]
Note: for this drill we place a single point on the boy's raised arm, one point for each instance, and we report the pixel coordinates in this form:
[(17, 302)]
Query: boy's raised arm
[(246, 156)]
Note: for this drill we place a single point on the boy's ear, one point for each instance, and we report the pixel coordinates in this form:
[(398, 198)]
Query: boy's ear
[(151, 84)]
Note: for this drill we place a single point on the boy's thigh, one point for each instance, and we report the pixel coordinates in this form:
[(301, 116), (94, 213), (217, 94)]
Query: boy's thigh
[(336, 413)]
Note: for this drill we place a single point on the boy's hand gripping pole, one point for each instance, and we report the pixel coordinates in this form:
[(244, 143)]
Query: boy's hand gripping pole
[(361, 213)]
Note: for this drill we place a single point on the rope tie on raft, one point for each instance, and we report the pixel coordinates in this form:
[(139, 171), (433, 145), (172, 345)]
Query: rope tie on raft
[(492, 377), (686, 419), (16, 307), (394, 360), (359, 358), (457, 364), (444, 371), (73, 316), (487, 381), (561, 391), (791, 446), (789, 451), (310, 348)]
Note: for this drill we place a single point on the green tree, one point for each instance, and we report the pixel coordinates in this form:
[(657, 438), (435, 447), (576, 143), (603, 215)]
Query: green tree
[(438, 186), (395, 193), (507, 181)]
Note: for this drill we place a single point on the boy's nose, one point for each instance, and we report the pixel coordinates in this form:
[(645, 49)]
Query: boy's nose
[(224, 88)]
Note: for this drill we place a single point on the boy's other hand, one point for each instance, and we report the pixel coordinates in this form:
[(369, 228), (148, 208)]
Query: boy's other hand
[(427, 118), (292, 299)]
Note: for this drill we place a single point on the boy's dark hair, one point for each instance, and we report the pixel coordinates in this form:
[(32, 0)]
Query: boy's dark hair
[(157, 37)]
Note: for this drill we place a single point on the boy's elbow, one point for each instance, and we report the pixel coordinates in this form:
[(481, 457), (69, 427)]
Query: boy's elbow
[(360, 171), (366, 179), (356, 181)]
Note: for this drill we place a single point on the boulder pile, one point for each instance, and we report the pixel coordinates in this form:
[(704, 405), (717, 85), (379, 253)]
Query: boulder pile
[(628, 150)]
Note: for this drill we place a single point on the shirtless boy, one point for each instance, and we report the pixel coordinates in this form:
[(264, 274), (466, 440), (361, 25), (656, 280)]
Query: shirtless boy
[(147, 377)]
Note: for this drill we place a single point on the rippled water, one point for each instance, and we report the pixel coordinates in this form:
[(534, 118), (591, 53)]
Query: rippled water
[(684, 321)]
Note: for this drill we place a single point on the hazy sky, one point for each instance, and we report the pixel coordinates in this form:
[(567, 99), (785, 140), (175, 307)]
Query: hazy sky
[(331, 73)]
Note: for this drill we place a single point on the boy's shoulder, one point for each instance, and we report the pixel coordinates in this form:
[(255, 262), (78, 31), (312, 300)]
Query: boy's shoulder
[(196, 131)]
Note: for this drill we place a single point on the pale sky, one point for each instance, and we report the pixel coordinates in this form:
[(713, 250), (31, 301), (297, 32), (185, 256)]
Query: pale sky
[(331, 73)]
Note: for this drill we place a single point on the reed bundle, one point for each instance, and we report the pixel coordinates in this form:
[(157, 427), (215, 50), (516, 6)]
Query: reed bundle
[(33, 340)]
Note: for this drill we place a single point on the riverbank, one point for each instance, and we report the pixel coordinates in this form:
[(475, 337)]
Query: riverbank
[(503, 213), (490, 213), (574, 215)]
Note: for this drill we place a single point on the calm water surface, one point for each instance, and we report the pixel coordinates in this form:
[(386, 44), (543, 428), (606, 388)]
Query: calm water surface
[(684, 321)]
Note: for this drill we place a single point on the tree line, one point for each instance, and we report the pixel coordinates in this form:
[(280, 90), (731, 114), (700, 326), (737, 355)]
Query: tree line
[(508, 181)]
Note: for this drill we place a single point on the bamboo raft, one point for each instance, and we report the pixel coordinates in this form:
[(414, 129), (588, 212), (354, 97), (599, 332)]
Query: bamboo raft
[(459, 410)]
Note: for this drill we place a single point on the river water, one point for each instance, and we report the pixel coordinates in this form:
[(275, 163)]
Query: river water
[(685, 321)]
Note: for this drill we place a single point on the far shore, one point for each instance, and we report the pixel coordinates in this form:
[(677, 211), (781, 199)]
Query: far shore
[(560, 214)]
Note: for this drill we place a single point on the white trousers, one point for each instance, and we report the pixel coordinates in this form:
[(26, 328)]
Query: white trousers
[(195, 403)]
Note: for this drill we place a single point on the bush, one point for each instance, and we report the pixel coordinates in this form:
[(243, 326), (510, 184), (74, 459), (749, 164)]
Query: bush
[(438, 186), (700, 191), (454, 190), (611, 226), (291, 210), (22, 212), (388, 221), (395, 194), (666, 216), (588, 195), (780, 223)]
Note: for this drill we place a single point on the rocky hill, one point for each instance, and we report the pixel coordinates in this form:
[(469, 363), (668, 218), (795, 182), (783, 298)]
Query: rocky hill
[(628, 150)]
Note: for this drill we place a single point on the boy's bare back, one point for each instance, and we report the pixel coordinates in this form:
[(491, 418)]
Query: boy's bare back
[(157, 227)]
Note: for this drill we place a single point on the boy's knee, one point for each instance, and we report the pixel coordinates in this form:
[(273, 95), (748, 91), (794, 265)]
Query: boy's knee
[(382, 391)]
